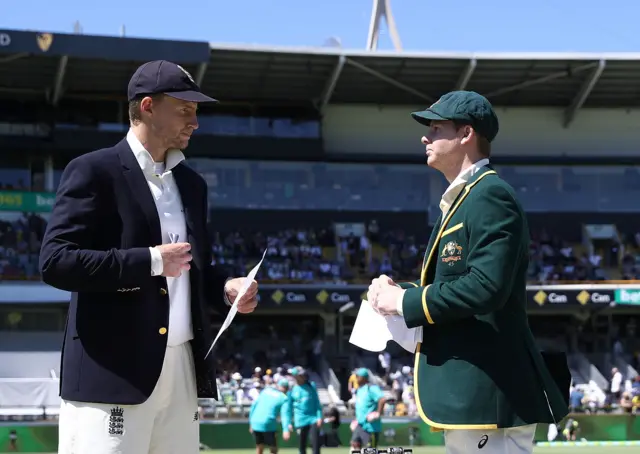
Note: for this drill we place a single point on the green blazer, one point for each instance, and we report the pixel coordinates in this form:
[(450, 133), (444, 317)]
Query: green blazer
[(478, 366)]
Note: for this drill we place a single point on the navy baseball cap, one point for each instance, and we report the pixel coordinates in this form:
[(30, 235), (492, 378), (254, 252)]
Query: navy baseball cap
[(161, 76)]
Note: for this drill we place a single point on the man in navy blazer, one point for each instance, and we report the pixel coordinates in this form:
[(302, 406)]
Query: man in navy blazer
[(128, 237)]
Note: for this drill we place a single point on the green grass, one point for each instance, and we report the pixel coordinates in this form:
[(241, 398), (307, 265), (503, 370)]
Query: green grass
[(440, 450)]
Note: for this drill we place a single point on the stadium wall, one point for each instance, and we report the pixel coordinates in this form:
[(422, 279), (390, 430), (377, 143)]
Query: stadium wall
[(229, 435), (523, 131)]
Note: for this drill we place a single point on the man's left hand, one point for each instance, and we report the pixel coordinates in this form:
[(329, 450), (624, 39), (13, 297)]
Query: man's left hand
[(248, 301), (386, 301)]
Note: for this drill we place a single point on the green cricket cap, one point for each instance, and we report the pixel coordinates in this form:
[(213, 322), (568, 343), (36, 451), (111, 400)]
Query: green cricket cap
[(283, 383), (466, 107), (362, 372)]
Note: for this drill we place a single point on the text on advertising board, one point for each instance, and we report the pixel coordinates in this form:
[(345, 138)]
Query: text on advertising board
[(571, 297), (624, 296)]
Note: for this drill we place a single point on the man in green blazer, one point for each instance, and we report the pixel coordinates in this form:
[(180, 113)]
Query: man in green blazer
[(478, 373)]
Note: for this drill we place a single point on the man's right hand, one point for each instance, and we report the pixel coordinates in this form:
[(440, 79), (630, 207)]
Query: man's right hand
[(175, 258), (376, 284)]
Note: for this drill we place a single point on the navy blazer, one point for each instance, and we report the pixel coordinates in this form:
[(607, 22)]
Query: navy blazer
[(97, 246)]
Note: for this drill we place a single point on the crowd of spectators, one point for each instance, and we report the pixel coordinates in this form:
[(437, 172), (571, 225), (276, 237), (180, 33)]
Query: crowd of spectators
[(20, 238), (310, 255), (552, 260), (623, 396)]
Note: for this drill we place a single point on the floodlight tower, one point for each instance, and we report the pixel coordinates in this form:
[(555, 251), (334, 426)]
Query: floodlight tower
[(382, 8)]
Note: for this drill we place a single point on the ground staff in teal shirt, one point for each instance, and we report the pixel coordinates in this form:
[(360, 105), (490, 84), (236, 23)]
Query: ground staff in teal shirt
[(307, 411), (263, 416), (370, 403)]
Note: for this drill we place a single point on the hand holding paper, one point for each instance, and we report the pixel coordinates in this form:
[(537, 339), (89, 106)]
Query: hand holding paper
[(372, 331), (247, 283), (247, 301), (383, 295)]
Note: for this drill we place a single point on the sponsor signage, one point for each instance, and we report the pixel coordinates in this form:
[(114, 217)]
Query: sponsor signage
[(332, 297), (627, 296), (33, 202), (537, 298), (555, 296), (310, 295), (104, 47)]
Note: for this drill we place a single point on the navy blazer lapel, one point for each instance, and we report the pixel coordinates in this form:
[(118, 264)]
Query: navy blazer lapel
[(189, 202), (140, 189)]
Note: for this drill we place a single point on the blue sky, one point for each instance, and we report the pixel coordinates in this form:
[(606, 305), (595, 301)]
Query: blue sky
[(424, 25)]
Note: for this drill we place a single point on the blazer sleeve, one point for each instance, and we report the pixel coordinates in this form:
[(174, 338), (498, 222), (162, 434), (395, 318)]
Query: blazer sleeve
[(215, 278), (407, 285), (495, 241), (67, 261)]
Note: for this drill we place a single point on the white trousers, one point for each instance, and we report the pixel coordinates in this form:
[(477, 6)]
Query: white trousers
[(514, 440), (166, 423)]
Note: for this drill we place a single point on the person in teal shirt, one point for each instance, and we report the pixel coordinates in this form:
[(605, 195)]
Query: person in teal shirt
[(370, 403), (263, 416), (307, 411)]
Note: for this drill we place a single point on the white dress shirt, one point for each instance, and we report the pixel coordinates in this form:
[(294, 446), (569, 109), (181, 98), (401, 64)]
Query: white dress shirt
[(174, 230), (449, 196), (457, 185)]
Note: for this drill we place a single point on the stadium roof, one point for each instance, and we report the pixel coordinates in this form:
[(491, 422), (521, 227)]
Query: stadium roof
[(92, 67)]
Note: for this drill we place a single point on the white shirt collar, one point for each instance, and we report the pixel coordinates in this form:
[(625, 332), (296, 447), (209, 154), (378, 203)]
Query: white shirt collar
[(173, 158), (461, 180), (467, 173)]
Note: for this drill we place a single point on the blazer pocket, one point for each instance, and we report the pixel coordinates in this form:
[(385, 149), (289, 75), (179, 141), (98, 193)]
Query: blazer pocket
[(455, 228)]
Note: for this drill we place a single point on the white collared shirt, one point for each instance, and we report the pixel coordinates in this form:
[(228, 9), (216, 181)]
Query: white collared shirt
[(458, 184), (449, 196), (173, 227)]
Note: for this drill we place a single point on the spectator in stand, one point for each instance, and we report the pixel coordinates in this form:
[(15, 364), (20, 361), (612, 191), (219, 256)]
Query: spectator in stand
[(629, 403), (384, 364), (616, 386), (635, 386), (575, 399), (331, 436), (353, 387)]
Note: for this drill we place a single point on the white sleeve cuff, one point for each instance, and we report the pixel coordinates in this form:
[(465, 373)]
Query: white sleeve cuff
[(399, 303), (157, 266)]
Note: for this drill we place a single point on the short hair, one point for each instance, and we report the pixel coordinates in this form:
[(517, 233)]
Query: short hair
[(135, 115), (484, 146)]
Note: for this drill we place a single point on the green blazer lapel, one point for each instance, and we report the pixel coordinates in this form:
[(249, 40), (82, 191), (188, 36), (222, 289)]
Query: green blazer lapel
[(478, 175), (483, 172), (432, 242)]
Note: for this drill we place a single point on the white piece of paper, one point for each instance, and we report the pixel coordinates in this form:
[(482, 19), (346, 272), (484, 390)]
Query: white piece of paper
[(234, 307), (372, 331)]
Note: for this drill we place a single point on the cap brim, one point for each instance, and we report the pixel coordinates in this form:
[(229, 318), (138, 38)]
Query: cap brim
[(191, 96), (425, 117)]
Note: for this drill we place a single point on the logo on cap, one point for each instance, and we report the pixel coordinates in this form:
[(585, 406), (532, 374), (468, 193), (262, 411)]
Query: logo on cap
[(187, 73)]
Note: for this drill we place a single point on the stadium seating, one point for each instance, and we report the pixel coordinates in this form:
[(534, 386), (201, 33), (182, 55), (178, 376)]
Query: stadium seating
[(314, 253)]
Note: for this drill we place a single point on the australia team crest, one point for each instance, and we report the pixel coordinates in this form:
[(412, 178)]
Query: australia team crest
[(451, 253)]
